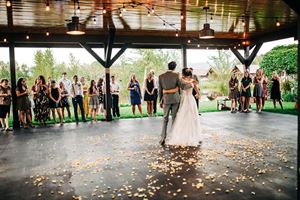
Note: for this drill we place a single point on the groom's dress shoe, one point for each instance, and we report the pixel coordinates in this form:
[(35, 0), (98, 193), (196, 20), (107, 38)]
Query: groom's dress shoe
[(162, 143)]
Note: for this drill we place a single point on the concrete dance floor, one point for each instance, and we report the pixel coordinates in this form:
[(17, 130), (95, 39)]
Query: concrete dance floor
[(242, 156)]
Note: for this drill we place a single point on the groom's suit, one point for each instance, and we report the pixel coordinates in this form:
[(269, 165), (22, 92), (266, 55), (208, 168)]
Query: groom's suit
[(169, 80)]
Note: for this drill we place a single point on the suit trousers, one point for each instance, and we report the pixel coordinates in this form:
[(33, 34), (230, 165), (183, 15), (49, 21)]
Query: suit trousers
[(155, 101), (115, 105), (173, 108), (78, 101)]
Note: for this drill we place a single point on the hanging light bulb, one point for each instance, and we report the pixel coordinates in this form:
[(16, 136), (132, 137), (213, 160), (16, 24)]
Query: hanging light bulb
[(148, 13), (189, 41), (207, 48), (47, 6), (78, 9), (181, 16), (198, 45), (8, 3), (27, 37), (4, 40), (152, 10), (95, 22), (104, 10), (164, 25), (124, 8), (211, 18), (277, 23), (243, 22), (177, 34), (120, 13), (47, 33)]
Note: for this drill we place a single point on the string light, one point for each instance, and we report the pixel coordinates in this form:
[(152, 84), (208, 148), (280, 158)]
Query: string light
[(243, 22), (47, 33), (198, 45), (211, 18), (181, 16), (152, 10), (104, 10), (95, 22), (176, 33), (148, 13), (164, 25), (189, 41), (47, 6), (27, 37), (8, 3), (78, 9), (124, 8), (120, 13), (277, 23), (4, 40)]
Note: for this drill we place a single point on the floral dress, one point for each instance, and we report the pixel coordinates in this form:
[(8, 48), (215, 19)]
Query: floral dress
[(42, 108)]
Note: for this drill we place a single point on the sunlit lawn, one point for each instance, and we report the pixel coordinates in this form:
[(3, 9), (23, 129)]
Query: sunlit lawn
[(205, 106)]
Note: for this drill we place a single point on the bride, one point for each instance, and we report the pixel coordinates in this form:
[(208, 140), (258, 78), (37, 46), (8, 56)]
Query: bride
[(186, 127)]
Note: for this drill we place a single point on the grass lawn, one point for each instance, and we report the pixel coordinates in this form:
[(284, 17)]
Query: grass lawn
[(205, 106)]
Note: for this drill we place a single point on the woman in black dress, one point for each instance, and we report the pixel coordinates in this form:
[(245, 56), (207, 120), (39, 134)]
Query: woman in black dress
[(245, 92), (23, 102), (100, 96), (275, 90), (149, 93), (55, 97)]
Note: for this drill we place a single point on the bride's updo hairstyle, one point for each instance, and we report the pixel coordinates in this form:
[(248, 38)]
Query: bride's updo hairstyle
[(187, 72)]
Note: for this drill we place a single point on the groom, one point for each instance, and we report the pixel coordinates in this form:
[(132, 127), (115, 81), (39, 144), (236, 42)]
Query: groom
[(169, 102)]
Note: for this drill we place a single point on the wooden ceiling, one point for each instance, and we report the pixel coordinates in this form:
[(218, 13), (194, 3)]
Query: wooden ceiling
[(231, 19)]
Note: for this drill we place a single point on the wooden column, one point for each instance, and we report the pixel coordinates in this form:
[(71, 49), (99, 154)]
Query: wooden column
[(16, 122), (246, 56), (184, 55)]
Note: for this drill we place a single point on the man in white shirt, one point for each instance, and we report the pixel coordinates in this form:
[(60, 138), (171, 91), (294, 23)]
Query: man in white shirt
[(155, 91), (115, 91), (67, 83), (77, 98)]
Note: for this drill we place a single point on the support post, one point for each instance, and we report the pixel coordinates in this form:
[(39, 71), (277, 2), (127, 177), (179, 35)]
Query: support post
[(246, 56), (108, 51), (298, 143), (183, 54), (16, 122)]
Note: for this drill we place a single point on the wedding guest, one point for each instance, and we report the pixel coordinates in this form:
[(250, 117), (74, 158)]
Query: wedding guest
[(85, 96), (275, 90), (100, 96), (41, 109), (5, 101), (265, 89), (149, 93), (77, 98), (135, 94), (258, 92), (155, 95), (115, 90), (55, 97), (195, 93), (245, 92), (233, 92), (64, 102), (34, 92), (49, 82), (93, 100), (67, 83), (23, 103)]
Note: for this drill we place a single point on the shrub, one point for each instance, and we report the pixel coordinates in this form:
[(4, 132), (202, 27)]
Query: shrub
[(289, 97)]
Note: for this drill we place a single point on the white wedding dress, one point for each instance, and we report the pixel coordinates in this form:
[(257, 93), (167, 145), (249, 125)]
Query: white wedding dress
[(186, 129)]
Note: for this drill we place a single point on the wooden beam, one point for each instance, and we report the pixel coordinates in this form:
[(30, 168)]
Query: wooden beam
[(183, 21), (9, 16), (238, 55), (93, 53), (16, 122), (295, 5), (184, 56), (254, 53), (108, 50), (120, 52)]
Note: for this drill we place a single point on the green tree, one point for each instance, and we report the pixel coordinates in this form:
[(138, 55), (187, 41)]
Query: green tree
[(222, 65), (280, 58), (4, 70), (74, 64)]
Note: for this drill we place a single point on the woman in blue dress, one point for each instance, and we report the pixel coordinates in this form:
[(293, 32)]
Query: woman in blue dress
[(135, 94)]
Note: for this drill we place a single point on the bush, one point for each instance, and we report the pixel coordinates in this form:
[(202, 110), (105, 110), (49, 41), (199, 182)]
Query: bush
[(289, 97)]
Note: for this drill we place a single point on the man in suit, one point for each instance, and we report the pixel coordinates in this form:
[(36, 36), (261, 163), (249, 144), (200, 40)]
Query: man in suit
[(169, 102)]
